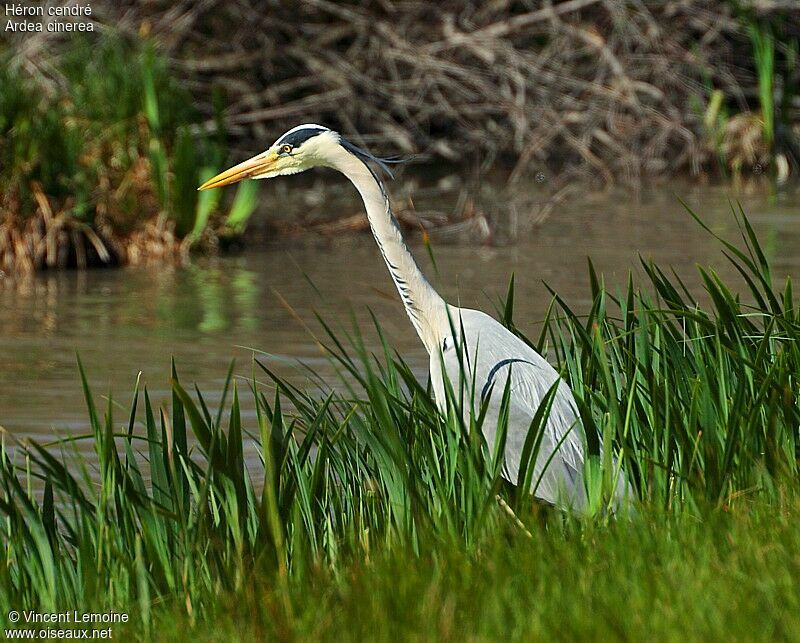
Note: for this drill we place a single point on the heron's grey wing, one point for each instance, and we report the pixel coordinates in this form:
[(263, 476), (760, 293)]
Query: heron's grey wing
[(558, 467), (482, 372)]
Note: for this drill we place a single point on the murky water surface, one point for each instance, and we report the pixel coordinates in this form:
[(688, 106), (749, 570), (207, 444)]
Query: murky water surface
[(134, 319)]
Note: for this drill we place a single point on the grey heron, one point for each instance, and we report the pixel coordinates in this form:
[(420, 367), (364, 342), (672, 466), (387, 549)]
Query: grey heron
[(465, 346)]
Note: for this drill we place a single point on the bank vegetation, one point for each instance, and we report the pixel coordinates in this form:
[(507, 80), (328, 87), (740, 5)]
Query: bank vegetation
[(104, 138)]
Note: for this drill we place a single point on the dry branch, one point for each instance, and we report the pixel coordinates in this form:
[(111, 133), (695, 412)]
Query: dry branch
[(608, 89)]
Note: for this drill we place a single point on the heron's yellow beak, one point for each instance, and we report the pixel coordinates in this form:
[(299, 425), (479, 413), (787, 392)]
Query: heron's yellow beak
[(256, 166)]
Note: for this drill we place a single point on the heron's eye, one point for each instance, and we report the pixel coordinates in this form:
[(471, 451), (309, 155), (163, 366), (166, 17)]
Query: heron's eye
[(286, 149)]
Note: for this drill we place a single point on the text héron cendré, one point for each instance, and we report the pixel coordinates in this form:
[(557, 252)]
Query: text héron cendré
[(52, 25)]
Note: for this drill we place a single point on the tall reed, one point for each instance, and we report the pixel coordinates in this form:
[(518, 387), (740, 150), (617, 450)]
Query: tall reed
[(109, 148), (763, 42), (698, 403)]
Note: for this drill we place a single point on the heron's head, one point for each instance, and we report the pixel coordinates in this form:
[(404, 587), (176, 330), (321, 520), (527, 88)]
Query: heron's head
[(298, 150)]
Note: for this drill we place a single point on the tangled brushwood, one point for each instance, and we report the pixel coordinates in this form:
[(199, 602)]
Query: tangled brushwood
[(115, 132), (614, 91)]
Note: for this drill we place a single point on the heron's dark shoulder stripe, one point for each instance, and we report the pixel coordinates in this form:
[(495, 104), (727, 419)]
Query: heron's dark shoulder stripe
[(503, 362), (299, 136)]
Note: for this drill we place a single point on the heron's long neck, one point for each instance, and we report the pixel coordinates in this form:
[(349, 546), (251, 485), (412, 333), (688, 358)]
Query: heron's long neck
[(424, 306)]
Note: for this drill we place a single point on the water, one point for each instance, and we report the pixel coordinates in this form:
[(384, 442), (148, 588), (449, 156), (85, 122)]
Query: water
[(127, 320)]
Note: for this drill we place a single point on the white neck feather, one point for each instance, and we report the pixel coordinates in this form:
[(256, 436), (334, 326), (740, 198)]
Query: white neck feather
[(426, 309)]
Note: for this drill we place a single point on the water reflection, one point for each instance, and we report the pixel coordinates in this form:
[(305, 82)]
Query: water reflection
[(123, 321)]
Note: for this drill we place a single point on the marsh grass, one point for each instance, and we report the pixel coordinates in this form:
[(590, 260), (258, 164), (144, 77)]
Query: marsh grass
[(369, 510), (763, 43), (726, 577), (111, 144)]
